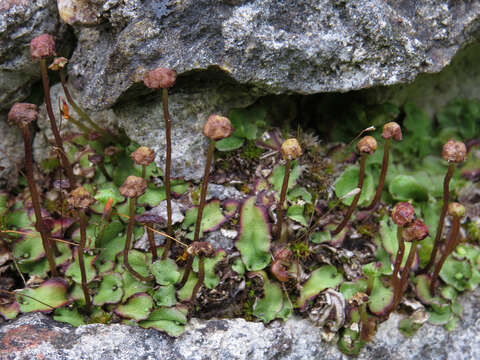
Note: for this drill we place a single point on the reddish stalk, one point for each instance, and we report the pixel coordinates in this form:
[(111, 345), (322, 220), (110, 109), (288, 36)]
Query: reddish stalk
[(441, 221), (81, 247), (398, 259), (168, 165), (132, 188), (415, 232), (290, 150), (390, 130), (203, 193), (163, 78), (403, 214), (186, 272), (23, 114), (454, 152), (80, 199), (457, 211), (354, 203), (201, 278), (56, 134), (39, 225)]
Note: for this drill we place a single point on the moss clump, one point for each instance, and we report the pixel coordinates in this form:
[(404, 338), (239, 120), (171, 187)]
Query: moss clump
[(250, 151)]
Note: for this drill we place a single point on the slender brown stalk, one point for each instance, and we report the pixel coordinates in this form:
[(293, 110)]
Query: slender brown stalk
[(128, 242), (398, 261), (203, 193), (441, 221), (405, 274), (79, 110), (186, 273), (39, 225), (58, 139), (83, 240), (457, 211), (383, 175), (168, 165), (201, 278), (354, 203), (283, 194)]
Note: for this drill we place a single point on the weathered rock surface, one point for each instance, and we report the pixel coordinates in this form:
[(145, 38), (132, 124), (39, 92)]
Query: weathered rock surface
[(37, 336), (11, 152), (20, 22), (292, 46)]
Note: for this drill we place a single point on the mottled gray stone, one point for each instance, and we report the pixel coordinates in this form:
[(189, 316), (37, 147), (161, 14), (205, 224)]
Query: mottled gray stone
[(222, 239), (143, 122), (20, 22), (35, 335), (221, 192), (288, 46), (11, 152)]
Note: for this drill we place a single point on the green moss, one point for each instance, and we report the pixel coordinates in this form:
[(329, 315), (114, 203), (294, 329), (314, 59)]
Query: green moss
[(250, 151)]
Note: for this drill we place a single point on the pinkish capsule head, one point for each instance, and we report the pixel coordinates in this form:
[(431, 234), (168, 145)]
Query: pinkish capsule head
[(454, 151), (415, 231), (403, 213), (367, 145), (80, 199), (133, 187), (42, 46), (392, 130), (160, 78), (217, 127), (143, 156), (291, 149), (22, 114)]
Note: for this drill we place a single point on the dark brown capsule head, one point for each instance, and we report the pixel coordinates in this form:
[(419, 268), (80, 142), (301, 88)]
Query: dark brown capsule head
[(80, 199), (160, 78), (22, 114), (58, 63), (143, 156), (454, 151), (415, 231), (133, 187), (201, 248), (392, 130), (42, 46), (403, 213), (217, 127), (456, 209), (367, 145), (291, 149)]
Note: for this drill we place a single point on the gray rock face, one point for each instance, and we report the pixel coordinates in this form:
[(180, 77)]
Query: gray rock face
[(289, 46), (143, 122), (20, 22), (11, 152), (37, 336)]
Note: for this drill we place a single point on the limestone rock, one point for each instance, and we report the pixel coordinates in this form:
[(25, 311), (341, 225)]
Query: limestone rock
[(20, 22), (294, 46), (37, 336), (11, 152)]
